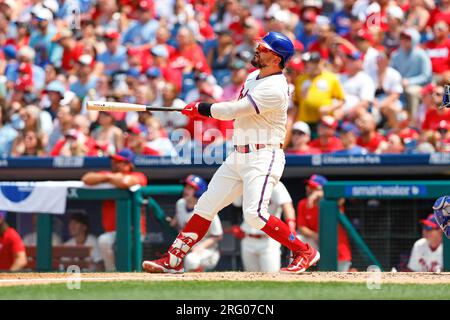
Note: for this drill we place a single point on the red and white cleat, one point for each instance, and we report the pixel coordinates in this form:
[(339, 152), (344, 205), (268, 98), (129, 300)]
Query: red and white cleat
[(302, 261), (162, 266)]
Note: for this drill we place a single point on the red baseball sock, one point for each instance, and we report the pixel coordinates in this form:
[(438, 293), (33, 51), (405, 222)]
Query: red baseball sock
[(197, 225), (278, 230)]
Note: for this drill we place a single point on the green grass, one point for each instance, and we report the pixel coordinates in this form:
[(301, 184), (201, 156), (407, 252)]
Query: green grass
[(226, 290)]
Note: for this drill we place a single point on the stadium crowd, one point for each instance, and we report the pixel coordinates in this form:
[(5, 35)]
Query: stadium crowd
[(366, 77)]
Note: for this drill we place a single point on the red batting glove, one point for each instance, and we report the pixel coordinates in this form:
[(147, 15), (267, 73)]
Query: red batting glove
[(292, 225), (237, 232), (191, 110)]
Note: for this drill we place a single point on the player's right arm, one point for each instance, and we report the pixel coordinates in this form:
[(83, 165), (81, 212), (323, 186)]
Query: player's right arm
[(94, 178)]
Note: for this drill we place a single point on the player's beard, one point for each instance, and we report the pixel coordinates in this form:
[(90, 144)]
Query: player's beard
[(257, 63)]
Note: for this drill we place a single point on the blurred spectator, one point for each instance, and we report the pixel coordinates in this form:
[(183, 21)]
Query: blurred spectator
[(189, 54), (238, 76), (252, 29), (308, 211), (414, 66), (219, 57), (73, 49), (395, 18), (41, 37), (156, 141), (341, 19), (122, 176), (427, 254), (324, 40), (359, 88), (438, 50), (433, 113), (55, 92), (79, 232), (62, 125), (349, 133), (443, 136), (327, 141), (308, 34), (301, 137), (86, 80), (369, 138), (72, 144), (7, 133), (418, 16), (170, 120), (163, 66), (115, 55), (394, 145), (136, 140), (30, 239), (12, 251), (28, 143), (388, 84), (440, 10), (364, 42), (317, 91), (142, 30), (107, 134), (205, 254)]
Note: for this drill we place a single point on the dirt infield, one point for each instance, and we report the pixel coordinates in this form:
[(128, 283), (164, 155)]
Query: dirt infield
[(14, 279)]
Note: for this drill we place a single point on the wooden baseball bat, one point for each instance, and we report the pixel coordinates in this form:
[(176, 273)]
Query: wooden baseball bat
[(124, 106)]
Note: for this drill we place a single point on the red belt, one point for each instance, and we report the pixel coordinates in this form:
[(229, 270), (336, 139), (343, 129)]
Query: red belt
[(246, 148)]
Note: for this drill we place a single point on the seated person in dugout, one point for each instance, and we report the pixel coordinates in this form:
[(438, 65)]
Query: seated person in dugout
[(12, 251), (427, 252)]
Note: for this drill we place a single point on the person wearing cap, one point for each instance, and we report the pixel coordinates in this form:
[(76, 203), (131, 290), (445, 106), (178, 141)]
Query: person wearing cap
[(142, 30), (432, 99), (55, 91), (73, 49), (308, 212), (443, 136), (301, 137), (307, 34), (170, 120), (122, 176), (115, 55), (324, 40), (414, 66), (327, 141), (163, 65), (26, 55), (255, 166), (12, 250), (238, 75), (205, 254), (135, 140), (349, 133), (438, 50), (369, 138), (359, 88), (86, 80), (317, 92), (395, 19), (79, 232), (364, 41), (41, 38), (427, 252)]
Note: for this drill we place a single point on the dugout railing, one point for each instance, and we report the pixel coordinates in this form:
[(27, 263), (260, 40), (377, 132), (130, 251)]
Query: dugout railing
[(128, 247), (330, 215)]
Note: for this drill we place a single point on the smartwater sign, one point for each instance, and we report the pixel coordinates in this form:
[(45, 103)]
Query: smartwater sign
[(385, 191)]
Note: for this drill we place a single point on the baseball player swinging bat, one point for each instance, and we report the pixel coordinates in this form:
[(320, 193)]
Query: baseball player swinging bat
[(124, 107)]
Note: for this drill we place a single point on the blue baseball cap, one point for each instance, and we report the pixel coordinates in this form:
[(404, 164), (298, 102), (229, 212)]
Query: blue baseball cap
[(153, 72), (430, 223), (350, 127), (316, 180), (10, 51), (133, 72), (125, 155), (56, 86)]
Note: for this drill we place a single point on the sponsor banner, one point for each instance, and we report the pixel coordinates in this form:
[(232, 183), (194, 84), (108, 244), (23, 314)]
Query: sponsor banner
[(385, 190)]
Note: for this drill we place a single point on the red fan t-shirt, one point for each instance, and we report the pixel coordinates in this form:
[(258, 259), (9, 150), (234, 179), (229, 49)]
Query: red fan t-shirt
[(10, 245)]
